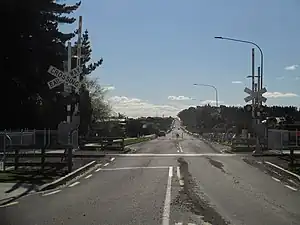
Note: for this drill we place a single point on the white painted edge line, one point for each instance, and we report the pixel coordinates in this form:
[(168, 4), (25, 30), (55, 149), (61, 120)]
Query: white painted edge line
[(88, 176), (280, 168), (112, 159), (274, 178), (167, 204), (173, 154), (52, 193), (132, 168), (9, 204), (106, 164), (74, 184), (294, 189)]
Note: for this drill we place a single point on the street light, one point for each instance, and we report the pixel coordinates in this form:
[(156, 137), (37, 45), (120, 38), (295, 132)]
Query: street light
[(260, 50), (212, 86)]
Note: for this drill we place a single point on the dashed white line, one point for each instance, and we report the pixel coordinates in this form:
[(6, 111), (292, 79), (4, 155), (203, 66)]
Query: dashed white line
[(75, 183), (294, 189), (88, 176), (9, 204), (112, 159), (97, 170), (274, 178), (180, 148), (106, 164), (52, 193), (166, 212), (181, 181), (290, 180)]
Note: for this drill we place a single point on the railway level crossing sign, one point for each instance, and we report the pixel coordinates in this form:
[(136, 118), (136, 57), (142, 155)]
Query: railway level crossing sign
[(62, 77), (255, 95)]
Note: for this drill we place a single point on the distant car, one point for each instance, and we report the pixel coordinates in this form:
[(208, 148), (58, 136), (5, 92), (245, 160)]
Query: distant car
[(161, 133)]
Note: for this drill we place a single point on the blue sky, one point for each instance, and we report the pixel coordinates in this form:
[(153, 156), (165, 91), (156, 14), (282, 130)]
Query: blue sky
[(159, 48)]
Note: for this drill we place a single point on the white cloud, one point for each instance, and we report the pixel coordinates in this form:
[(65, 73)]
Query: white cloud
[(236, 82), (292, 67), (134, 107), (108, 88), (211, 102), (179, 98), (280, 78), (279, 95)]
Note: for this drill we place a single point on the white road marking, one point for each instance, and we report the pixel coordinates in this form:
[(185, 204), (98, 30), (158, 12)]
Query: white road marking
[(106, 164), (274, 178), (181, 181), (173, 154), (177, 150), (97, 170), (112, 159), (294, 189), (88, 176), (180, 148), (166, 212), (75, 183), (278, 167), (52, 193), (132, 168), (290, 180), (9, 204)]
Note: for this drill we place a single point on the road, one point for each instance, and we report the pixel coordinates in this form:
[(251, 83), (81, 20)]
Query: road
[(146, 188)]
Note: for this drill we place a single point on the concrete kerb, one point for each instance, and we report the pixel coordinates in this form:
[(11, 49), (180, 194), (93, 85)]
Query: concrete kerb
[(68, 177), (289, 173)]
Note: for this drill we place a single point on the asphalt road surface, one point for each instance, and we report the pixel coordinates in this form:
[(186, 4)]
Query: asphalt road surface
[(167, 181)]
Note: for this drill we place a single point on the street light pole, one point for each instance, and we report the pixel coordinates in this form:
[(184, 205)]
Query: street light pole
[(260, 50), (212, 86)]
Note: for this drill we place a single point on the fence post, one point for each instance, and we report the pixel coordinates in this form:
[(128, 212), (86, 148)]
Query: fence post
[(43, 156), (70, 161), (16, 158)]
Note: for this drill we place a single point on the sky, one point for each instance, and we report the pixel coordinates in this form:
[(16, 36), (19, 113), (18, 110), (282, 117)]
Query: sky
[(154, 51)]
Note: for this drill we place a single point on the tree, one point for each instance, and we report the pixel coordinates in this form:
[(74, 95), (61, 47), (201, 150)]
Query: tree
[(100, 108), (33, 44)]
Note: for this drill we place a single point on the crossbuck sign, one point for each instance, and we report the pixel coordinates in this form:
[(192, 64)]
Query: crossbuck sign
[(255, 95), (61, 77)]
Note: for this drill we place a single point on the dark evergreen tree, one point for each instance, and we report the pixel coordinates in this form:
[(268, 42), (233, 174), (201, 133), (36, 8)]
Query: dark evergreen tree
[(33, 42)]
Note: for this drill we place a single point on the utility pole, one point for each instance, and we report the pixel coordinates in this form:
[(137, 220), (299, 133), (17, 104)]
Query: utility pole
[(76, 111)]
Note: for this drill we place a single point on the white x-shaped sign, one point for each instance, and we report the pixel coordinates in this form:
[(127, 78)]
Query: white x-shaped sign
[(61, 77)]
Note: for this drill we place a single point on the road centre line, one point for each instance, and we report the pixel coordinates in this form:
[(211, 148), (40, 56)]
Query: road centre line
[(167, 204)]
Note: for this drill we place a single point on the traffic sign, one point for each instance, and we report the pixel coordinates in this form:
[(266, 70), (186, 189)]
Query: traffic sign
[(255, 95), (61, 77)]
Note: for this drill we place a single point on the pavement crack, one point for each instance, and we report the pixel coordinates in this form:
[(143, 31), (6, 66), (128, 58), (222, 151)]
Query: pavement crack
[(192, 199)]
